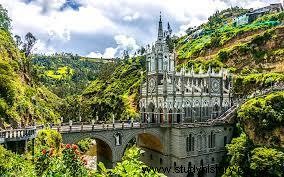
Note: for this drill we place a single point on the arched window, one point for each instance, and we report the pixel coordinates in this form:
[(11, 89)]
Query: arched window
[(143, 114), (170, 116), (215, 110), (160, 63), (178, 116), (211, 140), (161, 116), (151, 113), (190, 143), (161, 161)]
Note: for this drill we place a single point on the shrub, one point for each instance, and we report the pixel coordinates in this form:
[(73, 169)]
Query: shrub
[(223, 55), (14, 165), (84, 144), (267, 162), (48, 138)]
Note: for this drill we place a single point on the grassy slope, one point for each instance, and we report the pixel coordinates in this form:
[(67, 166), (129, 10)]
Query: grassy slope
[(118, 92), (263, 119), (65, 74), (19, 102), (258, 45)]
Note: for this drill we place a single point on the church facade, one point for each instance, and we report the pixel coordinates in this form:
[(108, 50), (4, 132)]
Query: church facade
[(171, 96), (184, 103)]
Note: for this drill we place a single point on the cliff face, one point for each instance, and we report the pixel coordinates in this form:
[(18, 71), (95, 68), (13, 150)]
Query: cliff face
[(263, 52), (263, 118), (20, 103)]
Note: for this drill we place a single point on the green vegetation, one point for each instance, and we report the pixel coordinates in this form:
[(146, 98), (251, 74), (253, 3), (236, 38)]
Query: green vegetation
[(19, 101), (48, 138), (249, 160), (267, 162), (84, 144), (242, 46), (130, 166), (237, 153), (216, 34), (261, 118), (115, 93), (245, 84), (14, 165), (5, 21), (202, 64), (258, 151), (65, 74), (221, 18)]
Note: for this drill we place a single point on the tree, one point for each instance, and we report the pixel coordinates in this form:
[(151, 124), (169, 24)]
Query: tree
[(29, 44), (130, 166), (18, 40), (267, 162), (14, 165), (5, 21), (238, 151), (125, 54)]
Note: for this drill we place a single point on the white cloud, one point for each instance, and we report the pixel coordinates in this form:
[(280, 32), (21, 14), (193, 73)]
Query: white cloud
[(107, 18), (123, 43), (109, 53), (41, 47), (130, 18), (55, 24), (126, 42)]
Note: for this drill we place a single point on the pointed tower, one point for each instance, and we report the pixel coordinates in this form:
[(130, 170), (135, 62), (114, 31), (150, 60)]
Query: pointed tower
[(160, 29)]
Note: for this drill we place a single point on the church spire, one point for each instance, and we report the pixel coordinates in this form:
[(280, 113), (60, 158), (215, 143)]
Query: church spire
[(160, 30)]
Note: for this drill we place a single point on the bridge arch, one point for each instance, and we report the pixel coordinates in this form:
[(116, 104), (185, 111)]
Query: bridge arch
[(145, 138), (105, 151)]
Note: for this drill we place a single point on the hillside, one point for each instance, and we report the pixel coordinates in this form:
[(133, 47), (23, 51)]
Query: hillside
[(258, 45), (21, 103), (115, 91), (65, 74)]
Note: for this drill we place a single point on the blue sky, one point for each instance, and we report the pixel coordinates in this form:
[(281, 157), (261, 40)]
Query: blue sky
[(104, 28)]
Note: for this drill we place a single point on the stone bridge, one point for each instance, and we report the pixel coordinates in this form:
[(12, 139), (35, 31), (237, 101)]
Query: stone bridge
[(113, 139), (165, 144)]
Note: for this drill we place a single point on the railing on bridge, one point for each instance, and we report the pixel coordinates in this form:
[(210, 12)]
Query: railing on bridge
[(17, 134), (76, 127)]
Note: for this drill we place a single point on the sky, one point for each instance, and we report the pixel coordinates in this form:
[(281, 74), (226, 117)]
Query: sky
[(104, 28)]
